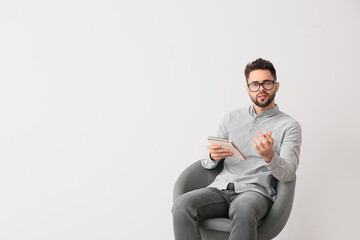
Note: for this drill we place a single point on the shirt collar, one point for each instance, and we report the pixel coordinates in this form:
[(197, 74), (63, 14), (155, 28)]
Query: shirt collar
[(270, 112)]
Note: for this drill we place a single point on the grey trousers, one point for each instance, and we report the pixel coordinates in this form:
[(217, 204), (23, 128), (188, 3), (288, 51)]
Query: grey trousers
[(245, 211)]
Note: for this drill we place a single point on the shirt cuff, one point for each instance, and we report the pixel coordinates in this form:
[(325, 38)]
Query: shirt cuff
[(274, 163), (208, 163)]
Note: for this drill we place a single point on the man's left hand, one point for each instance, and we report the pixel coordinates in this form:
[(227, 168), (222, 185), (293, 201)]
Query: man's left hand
[(264, 147)]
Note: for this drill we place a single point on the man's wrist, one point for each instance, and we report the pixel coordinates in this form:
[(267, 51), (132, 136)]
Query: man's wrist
[(269, 158)]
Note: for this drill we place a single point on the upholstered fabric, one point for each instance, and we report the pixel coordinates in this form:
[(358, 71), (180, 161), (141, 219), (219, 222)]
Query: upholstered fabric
[(195, 176)]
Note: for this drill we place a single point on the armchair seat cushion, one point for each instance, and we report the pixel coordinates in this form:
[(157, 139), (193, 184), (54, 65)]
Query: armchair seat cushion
[(217, 224)]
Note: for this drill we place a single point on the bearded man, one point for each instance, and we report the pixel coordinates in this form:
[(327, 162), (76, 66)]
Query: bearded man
[(245, 189)]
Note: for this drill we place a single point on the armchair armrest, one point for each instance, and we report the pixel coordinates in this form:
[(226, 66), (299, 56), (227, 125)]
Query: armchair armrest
[(194, 177)]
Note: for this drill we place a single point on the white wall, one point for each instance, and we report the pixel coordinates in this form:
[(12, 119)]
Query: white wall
[(104, 103)]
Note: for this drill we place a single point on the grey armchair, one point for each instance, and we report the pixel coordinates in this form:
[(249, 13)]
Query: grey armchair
[(195, 176)]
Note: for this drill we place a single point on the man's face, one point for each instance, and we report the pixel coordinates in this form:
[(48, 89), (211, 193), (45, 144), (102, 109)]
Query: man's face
[(262, 97)]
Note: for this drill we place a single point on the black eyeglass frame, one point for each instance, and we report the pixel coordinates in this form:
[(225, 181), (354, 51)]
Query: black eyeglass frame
[(262, 84)]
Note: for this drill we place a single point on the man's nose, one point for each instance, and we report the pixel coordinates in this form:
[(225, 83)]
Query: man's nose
[(262, 86)]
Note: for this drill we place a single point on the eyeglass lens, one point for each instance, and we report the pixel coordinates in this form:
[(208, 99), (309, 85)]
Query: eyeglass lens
[(268, 85)]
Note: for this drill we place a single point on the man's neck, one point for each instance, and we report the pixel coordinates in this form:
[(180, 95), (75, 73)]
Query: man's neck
[(258, 109)]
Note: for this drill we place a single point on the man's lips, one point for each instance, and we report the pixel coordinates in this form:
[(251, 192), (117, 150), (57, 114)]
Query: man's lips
[(262, 96)]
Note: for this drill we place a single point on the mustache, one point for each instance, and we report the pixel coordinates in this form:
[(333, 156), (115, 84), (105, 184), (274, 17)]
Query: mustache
[(262, 93)]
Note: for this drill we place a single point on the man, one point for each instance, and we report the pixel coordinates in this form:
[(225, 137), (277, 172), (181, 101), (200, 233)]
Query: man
[(244, 190)]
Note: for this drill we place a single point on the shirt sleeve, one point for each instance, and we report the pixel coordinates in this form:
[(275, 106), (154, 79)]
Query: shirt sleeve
[(283, 166), (206, 161)]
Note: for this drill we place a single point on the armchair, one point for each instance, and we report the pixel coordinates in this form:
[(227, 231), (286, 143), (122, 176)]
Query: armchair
[(195, 176)]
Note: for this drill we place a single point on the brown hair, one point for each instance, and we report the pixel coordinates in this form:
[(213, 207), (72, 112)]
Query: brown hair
[(259, 64)]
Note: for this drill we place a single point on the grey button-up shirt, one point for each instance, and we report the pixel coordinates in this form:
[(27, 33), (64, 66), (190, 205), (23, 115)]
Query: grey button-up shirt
[(254, 174)]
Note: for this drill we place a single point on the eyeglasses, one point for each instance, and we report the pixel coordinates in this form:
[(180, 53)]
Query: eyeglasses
[(267, 85)]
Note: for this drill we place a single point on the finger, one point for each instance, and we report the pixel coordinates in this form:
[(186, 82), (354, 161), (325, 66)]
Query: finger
[(258, 142), (218, 147), (269, 137), (263, 137), (217, 155), (221, 156), (257, 148), (214, 146), (271, 140), (220, 150)]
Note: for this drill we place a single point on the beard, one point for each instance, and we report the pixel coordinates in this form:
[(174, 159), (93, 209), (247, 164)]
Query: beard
[(263, 104)]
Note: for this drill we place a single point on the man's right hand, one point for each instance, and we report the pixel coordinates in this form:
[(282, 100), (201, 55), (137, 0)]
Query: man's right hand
[(218, 153)]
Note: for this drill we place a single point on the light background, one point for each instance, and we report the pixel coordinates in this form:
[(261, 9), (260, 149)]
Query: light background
[(104, 103)]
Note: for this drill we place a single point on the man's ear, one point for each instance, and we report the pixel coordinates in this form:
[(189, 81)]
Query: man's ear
[(247, 89), (277, 85)]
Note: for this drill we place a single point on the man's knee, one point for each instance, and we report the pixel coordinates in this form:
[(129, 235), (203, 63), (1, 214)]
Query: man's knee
[(183, 205)]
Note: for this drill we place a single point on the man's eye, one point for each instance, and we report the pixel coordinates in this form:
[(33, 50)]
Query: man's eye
[(268, 83), (254, 84)]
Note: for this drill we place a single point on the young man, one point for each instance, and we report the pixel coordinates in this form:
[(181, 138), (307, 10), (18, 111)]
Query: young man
[(244, 190)]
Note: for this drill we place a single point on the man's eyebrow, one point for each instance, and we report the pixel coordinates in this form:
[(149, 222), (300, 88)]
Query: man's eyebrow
[(262, 81)]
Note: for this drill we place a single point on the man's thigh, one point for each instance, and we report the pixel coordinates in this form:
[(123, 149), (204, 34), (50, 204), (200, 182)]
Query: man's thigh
[(250, 204), (203, 203)]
